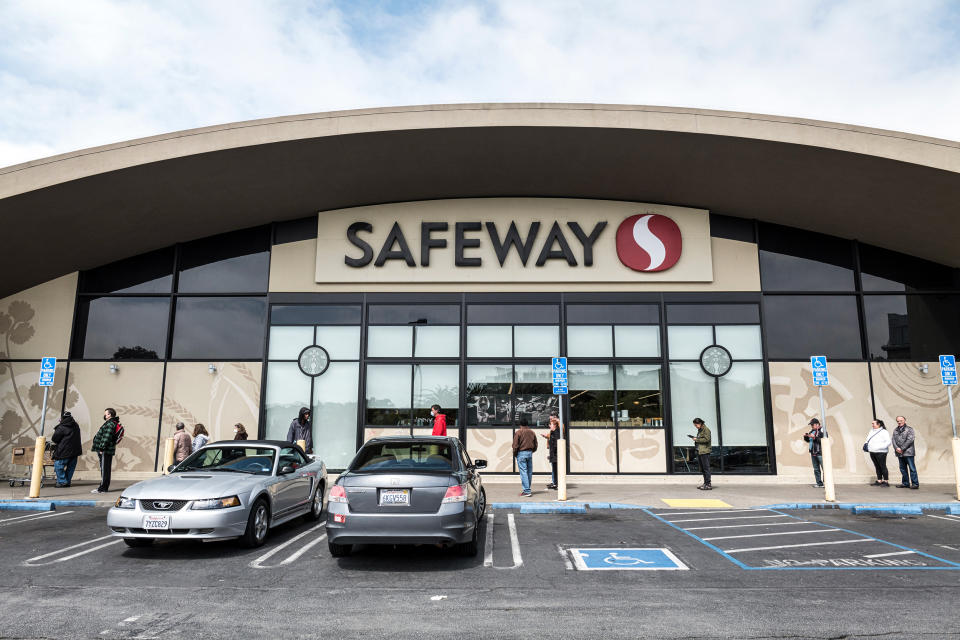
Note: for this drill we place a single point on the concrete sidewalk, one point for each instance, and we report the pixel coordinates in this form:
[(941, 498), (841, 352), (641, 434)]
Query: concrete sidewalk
[(507, 489)]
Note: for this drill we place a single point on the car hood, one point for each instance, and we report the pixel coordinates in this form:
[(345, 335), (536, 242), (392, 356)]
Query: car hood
[(194, 485)]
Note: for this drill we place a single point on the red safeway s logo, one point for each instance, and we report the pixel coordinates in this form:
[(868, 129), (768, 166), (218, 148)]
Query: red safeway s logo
[(649, 242)]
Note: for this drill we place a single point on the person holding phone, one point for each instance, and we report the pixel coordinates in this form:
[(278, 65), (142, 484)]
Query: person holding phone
[(703, 440)]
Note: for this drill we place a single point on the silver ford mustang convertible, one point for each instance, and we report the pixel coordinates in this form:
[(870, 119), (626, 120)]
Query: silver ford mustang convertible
[(230, 489)]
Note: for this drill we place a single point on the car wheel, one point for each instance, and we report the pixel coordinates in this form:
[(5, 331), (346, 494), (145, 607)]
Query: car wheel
[(257, 524), (316, 505), (339, 550), (481, 505), (138, 542)]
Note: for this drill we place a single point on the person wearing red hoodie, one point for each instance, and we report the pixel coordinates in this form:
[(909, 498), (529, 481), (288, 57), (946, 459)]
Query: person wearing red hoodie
[(439, 421)]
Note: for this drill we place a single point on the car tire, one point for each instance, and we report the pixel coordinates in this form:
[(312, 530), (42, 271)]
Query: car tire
[(339, 550), (258, 523), (138, 542), (316, 504), (481, 505)]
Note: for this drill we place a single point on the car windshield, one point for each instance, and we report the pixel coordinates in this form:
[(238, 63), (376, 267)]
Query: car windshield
[(251, 460), (408, 456)]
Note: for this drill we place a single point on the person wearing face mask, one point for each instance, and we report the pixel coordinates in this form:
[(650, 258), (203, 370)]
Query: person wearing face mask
[(105, 444), (239, 432), (439, 421), (877, 444)]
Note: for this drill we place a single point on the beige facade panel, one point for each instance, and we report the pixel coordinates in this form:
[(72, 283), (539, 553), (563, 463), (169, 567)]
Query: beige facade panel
[(21, 403), (643, 450), (134, 391), (735, 268), (592, 216), (848, 415), (217, 400), (593, 450), (493, 445), (901, 388), (35, 323)]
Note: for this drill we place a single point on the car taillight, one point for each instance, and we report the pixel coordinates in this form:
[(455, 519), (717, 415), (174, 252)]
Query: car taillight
[(455, 493), (337, 494)]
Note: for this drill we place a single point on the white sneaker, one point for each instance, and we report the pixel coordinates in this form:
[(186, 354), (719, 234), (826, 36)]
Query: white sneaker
[(96, 491)]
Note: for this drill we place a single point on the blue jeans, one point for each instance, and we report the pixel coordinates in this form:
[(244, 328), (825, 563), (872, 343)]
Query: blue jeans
[(64, 469), (907, 462), (525, 467), (817, 466)]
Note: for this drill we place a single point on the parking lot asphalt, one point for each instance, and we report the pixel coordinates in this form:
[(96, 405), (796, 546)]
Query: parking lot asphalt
[(723, 573)]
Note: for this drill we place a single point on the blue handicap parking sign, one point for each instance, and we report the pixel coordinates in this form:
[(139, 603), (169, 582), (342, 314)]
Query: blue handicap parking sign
[(948, 370), (620, 559), (820, 376), (48, 369)]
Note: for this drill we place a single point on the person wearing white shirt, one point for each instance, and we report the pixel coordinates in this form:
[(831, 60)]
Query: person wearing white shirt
[(877, 444)]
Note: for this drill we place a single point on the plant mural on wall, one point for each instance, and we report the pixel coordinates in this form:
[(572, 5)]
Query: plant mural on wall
[(22, 404)]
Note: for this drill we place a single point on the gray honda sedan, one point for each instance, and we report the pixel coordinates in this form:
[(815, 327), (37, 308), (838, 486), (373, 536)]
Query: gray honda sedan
[(407, 490)]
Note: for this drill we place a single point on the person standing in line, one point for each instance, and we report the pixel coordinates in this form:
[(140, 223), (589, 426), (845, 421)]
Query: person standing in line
[(878, 441), (200, 437), (301, 429), (239, 432), (66, 437), (704, 442), (181, 444), (904, 440), (439, 421), (552, 438), (524, 444), (814, 438), (105, 444)]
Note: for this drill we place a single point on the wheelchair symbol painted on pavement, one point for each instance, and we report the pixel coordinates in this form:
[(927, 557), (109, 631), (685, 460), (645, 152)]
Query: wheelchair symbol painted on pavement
[(624, 559)]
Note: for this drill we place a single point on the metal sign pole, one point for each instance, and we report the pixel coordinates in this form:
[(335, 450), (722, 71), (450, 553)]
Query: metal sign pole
[(948, 378), (821, 378), (561, 460), (43, 413), (953, 417)]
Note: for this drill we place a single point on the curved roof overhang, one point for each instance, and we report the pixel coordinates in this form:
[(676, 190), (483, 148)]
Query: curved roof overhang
[(90, 207)]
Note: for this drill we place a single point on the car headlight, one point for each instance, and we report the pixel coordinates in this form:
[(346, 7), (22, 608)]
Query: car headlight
[(124, 502), (216, 503)]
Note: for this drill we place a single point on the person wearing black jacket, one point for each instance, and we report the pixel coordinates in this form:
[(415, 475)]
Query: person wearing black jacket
[(813, 439), (552, 438), (301, 429), (66, 438)]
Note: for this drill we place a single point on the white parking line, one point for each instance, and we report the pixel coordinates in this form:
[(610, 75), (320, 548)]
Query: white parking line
[(488, 544), (258, 563), (741, 526), (304, 549), (33, 516), (895, 553), (733, 518), (950, 518), (514, 544), (32, 562), (779, 533), (806, 544)]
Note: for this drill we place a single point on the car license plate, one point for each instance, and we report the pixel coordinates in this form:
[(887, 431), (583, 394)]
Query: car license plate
[(394, 497), (156, 522)]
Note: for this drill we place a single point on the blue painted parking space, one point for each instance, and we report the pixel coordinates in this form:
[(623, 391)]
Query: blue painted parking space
[(625, 559), (769, 539)]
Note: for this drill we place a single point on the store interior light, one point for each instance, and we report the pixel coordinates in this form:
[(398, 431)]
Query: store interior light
[(212, 368), (114, 369)]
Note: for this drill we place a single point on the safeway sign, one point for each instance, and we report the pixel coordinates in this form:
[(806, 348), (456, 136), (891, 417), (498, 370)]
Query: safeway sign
[(514, 240)]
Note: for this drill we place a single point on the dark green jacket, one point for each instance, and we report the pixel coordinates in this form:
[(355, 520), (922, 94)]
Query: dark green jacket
[(106, 438), (703, 439)]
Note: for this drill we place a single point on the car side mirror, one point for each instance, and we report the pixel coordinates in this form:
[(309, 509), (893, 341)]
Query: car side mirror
[(285, 470), (171, 468), (479, 464)]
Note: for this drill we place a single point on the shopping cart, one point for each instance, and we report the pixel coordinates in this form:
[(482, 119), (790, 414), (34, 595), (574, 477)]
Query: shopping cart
[(23, 456)]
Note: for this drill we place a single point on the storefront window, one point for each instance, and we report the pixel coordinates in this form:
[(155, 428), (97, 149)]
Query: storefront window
[(798, 327), (335, 413), (637, 341), (913, 327), (389, 342), (388, 394), (591, 395), (436, 384), (687, 343), (489, 342), (437, 342), (130, 328), (287, 390), (796, 260), (148, 273), (342, 343), (536, 341), (231, 262), (222, 328), (488, 394), (286, 343), (742, 341), (639, 399), (586, 341)]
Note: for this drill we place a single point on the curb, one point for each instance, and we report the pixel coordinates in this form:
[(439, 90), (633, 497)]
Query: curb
[(561, 507), (61, 503), (27, 506), (901, 508)]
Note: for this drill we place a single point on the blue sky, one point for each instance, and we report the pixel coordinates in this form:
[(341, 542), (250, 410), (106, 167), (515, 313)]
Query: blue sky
[(75, 74)]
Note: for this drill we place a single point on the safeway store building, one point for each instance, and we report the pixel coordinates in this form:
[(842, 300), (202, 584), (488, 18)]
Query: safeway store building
[(369, 264)]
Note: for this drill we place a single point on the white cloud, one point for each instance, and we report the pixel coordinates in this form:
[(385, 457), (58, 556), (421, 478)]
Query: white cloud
[(79, 74)]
